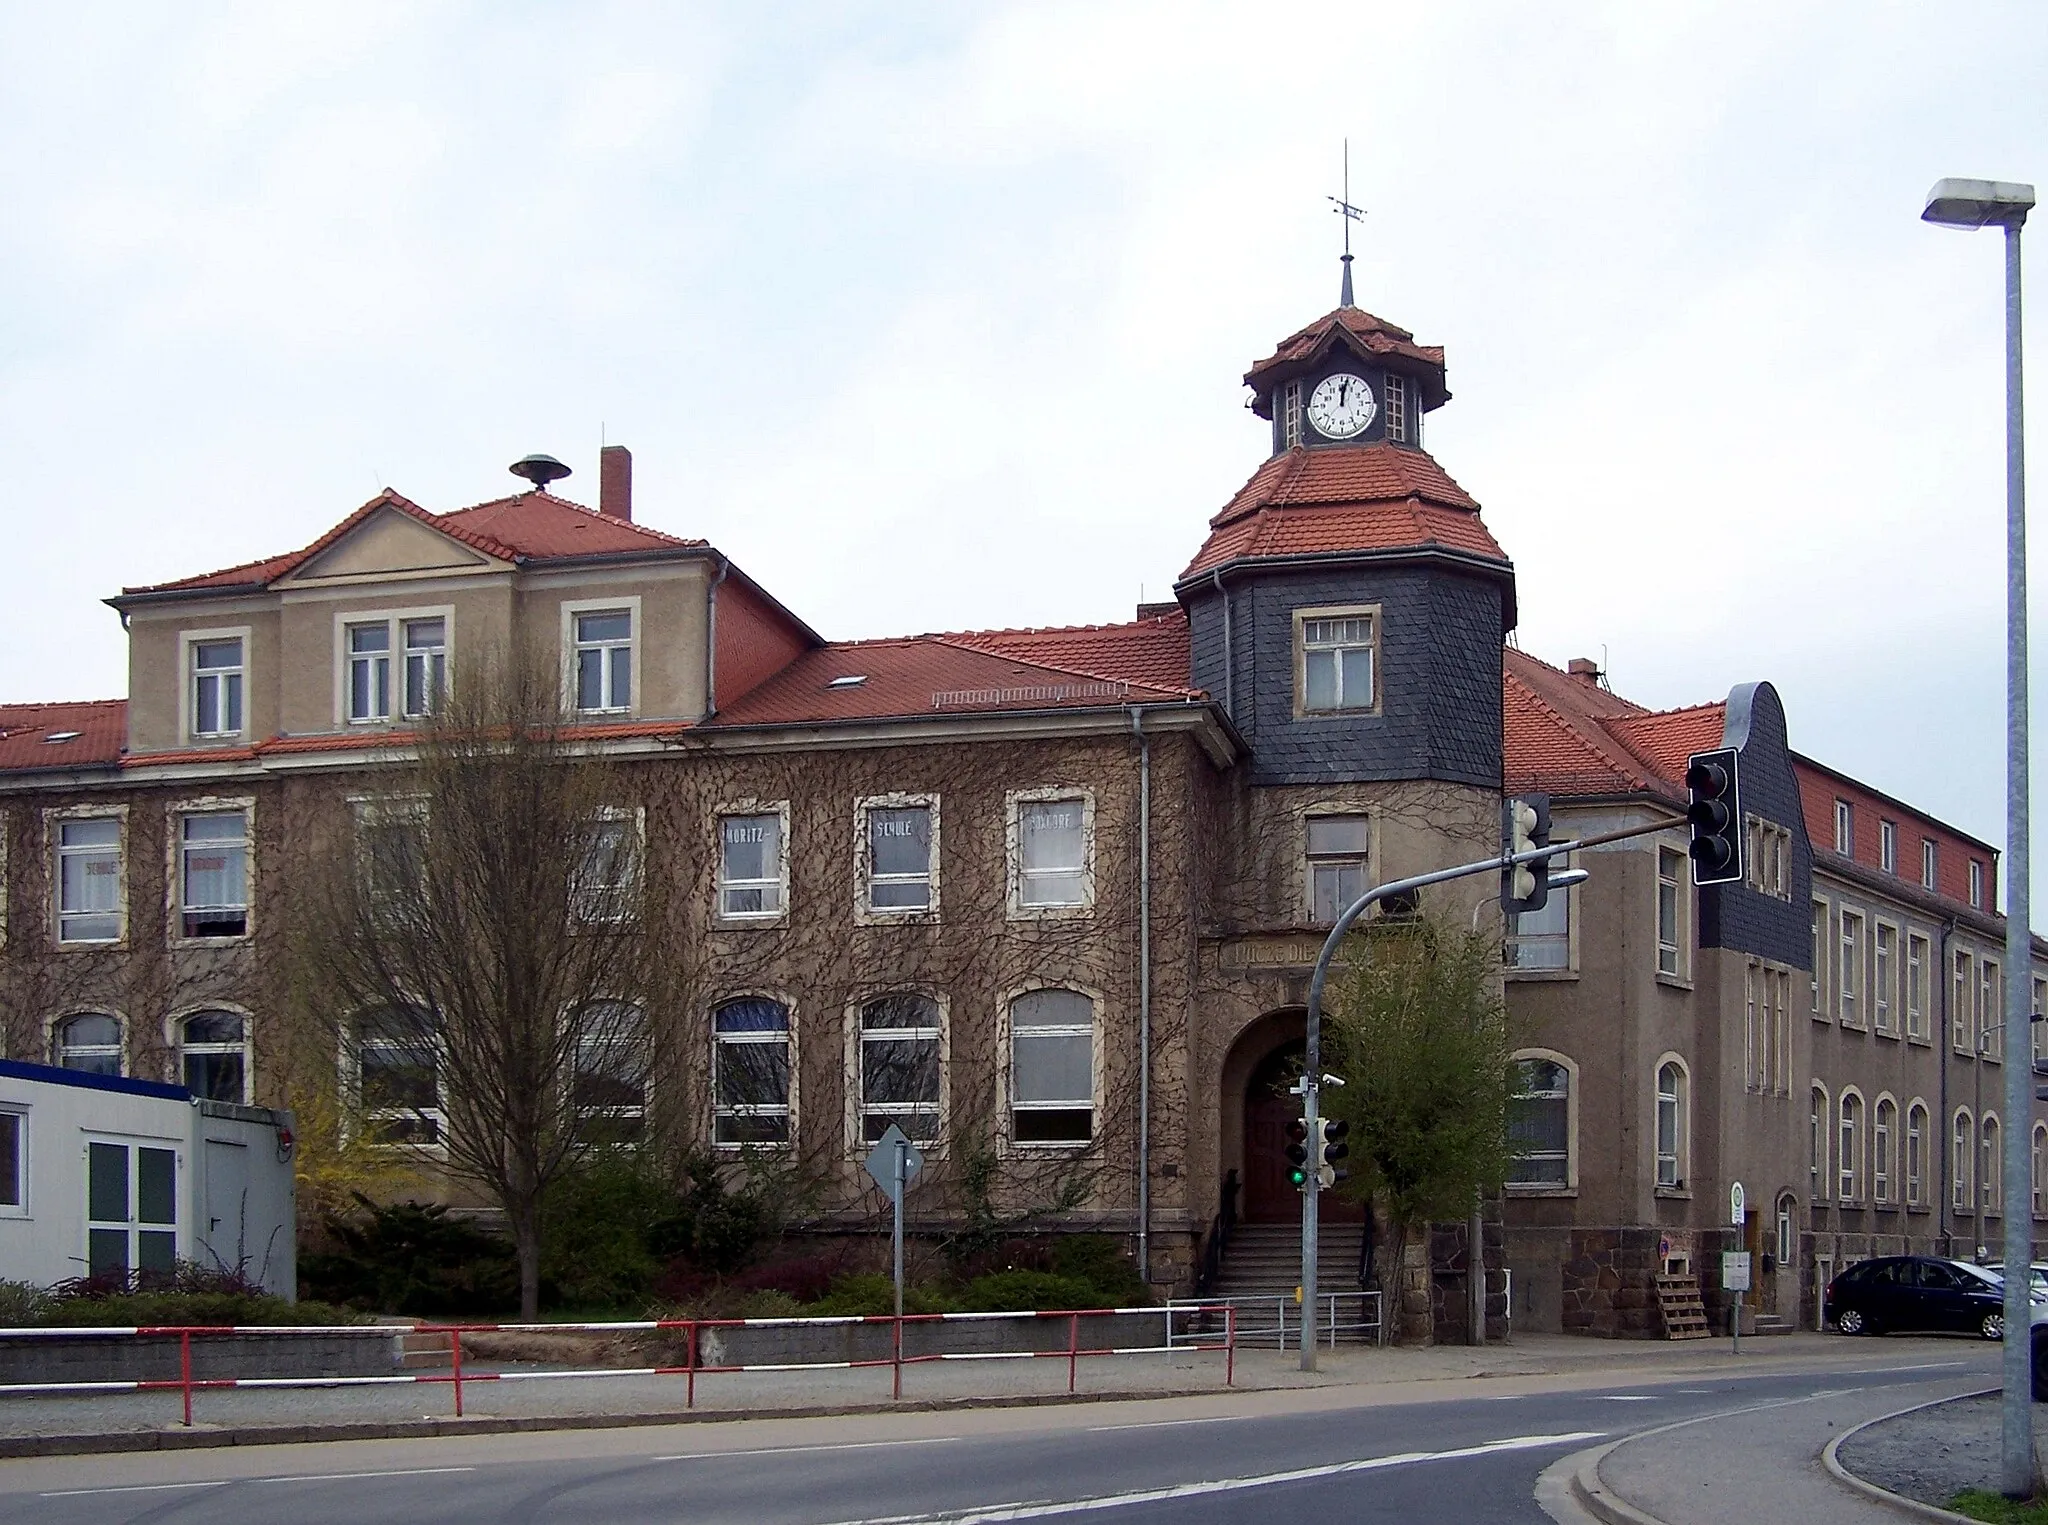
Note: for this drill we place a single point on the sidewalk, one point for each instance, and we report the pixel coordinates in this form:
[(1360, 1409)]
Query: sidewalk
[(62, 1424)]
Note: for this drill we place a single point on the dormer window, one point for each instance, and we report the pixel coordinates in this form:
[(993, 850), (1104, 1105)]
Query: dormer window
[(1394, 407), (604, 660), (394, 664), (1289, 411), (217, 687)]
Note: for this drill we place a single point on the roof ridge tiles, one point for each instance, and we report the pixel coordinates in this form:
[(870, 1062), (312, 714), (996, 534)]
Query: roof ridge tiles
[(1060, 668)]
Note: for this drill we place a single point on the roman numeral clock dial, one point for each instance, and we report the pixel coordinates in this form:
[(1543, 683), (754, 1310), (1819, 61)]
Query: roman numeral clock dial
[(1342, 406)]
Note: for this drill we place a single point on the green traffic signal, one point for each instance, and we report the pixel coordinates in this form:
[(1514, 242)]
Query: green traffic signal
[(1297, 1153)]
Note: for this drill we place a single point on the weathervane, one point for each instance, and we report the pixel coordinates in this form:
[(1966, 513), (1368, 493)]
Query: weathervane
[(1343, 208)]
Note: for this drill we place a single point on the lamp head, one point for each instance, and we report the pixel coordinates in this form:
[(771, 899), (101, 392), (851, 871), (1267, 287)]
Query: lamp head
[(1978, 203)]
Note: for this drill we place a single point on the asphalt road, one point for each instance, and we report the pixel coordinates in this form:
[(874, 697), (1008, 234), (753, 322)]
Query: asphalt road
[(1335, 1454)]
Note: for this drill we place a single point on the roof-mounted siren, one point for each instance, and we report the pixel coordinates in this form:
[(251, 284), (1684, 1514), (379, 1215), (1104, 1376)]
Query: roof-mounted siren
[(539, 470)]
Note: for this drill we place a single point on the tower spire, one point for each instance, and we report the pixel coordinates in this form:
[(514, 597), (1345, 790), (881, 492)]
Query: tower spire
[(1342, 206)]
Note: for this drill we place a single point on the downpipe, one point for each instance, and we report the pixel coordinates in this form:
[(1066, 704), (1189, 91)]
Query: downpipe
[(1144, 992)]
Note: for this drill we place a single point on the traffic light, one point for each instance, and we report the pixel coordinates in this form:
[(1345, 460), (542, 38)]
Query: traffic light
[(1714, 809), (1297, 1154), (1333, 1148), (1525, 824)]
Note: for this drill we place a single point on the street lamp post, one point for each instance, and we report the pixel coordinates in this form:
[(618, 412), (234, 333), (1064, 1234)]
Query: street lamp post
[(1980, 204)]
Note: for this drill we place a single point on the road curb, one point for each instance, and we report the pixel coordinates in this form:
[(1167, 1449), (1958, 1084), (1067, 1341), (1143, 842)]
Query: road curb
[(1831, 1463), (15, 1447), (1593, 1495)]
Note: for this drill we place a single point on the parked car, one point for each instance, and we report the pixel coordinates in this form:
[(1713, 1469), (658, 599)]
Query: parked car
[(1918, 1292)]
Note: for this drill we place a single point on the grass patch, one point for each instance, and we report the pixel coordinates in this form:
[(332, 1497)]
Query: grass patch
[(1997, 1509)]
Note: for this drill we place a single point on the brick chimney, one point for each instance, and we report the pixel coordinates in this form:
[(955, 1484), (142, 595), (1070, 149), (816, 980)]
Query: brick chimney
[(1585, 669), (615, 482)]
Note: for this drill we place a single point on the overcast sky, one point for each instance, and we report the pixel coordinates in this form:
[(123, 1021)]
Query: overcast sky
[(933, 315)]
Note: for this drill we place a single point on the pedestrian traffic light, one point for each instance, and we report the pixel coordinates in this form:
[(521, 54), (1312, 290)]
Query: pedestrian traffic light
[(1297, 1154), (1525, 825), (1714, 809), (1332, 1149)]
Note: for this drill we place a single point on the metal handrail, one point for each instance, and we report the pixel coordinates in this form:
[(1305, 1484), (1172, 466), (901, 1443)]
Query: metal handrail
[(1328, 1325)]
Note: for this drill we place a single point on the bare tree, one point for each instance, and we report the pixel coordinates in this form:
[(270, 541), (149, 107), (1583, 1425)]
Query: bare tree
[(470, 941)]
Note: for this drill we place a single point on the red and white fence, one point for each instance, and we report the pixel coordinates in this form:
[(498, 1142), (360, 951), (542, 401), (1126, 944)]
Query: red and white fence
[(692, 1331)]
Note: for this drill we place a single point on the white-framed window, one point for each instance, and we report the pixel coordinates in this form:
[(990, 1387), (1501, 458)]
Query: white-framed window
[(753, 863), (91, 887), (1990, 1012), (391, 852), (1888, 846), (897, 857), (398, 1076), (1755, 1028), (1788, 1208), (14, 1175), (1541, 940), (1336, 655), (1781, 1026), (1052, 1067), (752, 1079), (1850, 977), (1543, 1123), (1822, 948), (1052, 852), (1849, 1147), (131, 1207), (2038, 1156), (607, 885), (1672, 1122), (1770, 854), (89, 1041), (1976, 885), (1991, 1174), (1916, 1153), (1927, 863), (213, 1055), (218, 680), (1884, 1128), (1845, 829), (426, 664), (901, 1070), (1290, 414), (1962, 1030), (613, 1064), (369, 671), (1336, 848), (1394, 406), (1818, 1118), (1917, 951), (1963, 1162), (601, 662), (213, 873), (1767, 995), (1883, 975), (1671, 882), (2037, 1027)]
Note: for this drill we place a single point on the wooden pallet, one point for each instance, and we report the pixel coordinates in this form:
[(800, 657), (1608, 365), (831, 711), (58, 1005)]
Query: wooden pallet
[(1678, 1299)]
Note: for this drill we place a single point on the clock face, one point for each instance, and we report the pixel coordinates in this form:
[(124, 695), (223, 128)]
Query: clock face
[(1342, 405)]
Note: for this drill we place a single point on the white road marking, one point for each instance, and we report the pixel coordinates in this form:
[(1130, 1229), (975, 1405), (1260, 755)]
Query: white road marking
[(849, 1445), (1626, 1397), (996, 1514), (1161, 1424), (335, 1477), (79, 1493)]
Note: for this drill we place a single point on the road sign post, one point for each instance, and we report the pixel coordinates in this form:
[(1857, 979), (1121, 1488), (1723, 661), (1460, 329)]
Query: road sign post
[(892, 1165)]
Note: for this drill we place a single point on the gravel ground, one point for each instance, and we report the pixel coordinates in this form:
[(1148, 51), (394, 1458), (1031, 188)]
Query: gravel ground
[(1934, 1453)]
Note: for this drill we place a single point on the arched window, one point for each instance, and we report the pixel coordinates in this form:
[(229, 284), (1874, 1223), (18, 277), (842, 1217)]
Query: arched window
[(90, 1041), (2040, 1151), (1540, 1123), (750, 1072), (1817, 1144), (1052, 1067), (1671, 1123), (398, 1074), (1884, 1127), (1788, 1234), (1963, 1162), (213, 1055), (900, 1075), (1849, 1149), (1916, 1154), (609, 1086), (1991, 1175)]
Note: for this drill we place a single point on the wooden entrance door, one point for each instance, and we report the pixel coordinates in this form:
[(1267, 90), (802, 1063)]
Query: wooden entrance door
[(1268, 1108)]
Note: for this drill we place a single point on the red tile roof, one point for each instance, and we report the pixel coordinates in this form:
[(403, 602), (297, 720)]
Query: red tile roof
[(29, 735), (1151, 652), (1311, 500), (1820, 786), (1374, 335), (1567, 736), (922, 676), (533, 526)]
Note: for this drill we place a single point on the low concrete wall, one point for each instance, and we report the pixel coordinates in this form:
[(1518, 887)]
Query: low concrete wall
[(795, 1344), (154, 1357)]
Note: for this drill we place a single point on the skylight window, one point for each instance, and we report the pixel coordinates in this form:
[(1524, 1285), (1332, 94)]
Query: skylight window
[(848, 680), (62, 736)]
